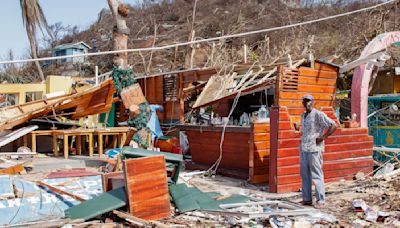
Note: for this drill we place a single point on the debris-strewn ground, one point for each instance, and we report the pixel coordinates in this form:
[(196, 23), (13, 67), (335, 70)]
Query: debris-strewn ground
[(380, 194), (379, 198)]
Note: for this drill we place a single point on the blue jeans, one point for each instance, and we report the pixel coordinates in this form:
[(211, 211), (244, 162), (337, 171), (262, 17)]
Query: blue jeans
[(311, 169)]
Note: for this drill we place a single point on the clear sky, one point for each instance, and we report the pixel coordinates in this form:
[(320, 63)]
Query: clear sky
[(69, 12)]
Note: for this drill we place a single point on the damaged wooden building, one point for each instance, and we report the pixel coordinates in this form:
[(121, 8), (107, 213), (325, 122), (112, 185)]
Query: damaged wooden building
[(266, 152)]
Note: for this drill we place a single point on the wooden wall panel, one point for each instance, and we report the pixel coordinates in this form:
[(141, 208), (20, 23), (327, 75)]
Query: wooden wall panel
[(204, 147), (347, 151), (146, 186), (259, 153)]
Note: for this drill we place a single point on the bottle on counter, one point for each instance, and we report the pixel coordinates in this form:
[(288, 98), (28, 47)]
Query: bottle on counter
[(244, 119), (263, 114)]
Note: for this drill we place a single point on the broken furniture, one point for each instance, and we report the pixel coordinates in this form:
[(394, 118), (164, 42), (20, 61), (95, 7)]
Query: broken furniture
[(119, 132), (113, 180), (35, 134), (78, 133), (174, 161), (144, 191)]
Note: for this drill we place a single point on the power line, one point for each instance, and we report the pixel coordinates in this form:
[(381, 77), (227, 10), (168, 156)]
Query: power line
[(201, 40)]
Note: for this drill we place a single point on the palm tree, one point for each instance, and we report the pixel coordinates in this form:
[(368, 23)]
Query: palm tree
[(33, 18)]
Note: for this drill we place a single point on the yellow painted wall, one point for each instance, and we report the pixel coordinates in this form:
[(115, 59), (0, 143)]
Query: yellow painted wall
[(53, 84), (58, 83), (21, 89)]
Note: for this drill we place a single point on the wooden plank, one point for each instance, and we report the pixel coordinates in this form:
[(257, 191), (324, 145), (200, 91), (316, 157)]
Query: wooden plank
[(261, 128), (316, 81), (288, 161), (285, 125), (289, 143), (289, 179), (14, 135), (306, 71), (272, 172), (59, 191), (298, 103), (348, 146), (316, 89), (262, 145), (347, 154), (146, 186), (299, 96), (294, 187), (288, 152), (284, 116), (342, 173), (11, 167), (325, 67), (329, 166), (232, 157), (337, 139), (261, 137), (107, 179), (288, 134), (351, 131)]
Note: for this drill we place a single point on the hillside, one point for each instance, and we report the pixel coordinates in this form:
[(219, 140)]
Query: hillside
[(341, 39)]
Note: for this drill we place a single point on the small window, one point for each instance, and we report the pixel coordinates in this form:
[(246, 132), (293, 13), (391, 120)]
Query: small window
[(33, 96), (9, 100)]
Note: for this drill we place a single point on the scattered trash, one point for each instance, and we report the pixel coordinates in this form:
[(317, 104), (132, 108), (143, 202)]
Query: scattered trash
[(389, 167), (359, 205)]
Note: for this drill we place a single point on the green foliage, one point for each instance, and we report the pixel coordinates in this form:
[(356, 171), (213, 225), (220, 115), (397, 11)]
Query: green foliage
[(122, 78), (143, 118), (143, 142)]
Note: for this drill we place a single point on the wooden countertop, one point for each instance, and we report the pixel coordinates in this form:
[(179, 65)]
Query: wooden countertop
[(229, 128)]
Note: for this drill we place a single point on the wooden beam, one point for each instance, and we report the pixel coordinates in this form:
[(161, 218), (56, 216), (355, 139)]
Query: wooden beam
[(349, 66), (59, 191)]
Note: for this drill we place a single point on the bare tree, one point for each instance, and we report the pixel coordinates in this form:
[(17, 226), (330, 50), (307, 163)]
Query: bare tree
[(120, 32), (58, 31), (33, 18)]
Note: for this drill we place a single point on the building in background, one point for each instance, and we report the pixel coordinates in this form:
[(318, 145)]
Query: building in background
[(71, 49)]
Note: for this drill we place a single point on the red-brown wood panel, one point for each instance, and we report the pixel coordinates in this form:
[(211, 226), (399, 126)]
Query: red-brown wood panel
[(261, 128), (308, 72), (146, 186), (346, 152)]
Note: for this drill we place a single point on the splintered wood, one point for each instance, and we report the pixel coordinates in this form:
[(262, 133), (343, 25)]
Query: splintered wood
[(146, 186), (97, 99)]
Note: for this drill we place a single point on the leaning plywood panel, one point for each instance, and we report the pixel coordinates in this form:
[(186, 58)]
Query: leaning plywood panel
[(146, 186)]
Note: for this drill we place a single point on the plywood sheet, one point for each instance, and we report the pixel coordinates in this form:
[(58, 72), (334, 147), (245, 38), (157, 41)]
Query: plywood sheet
[(146, 186)]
